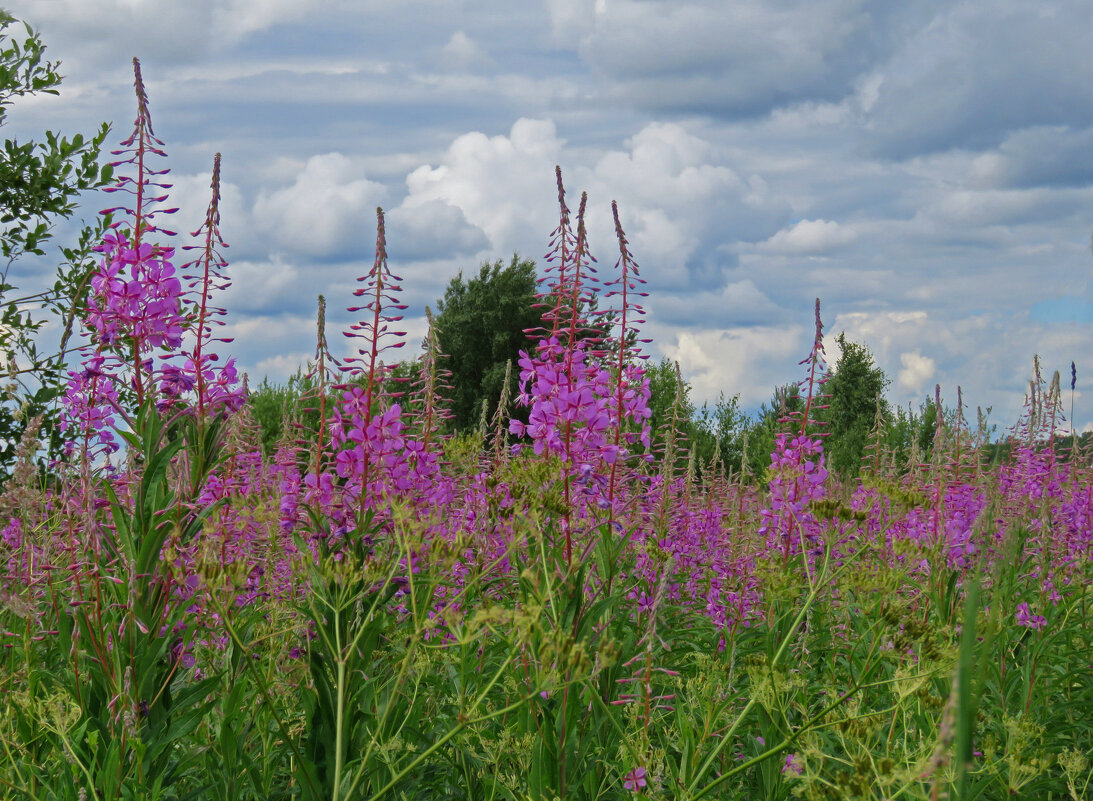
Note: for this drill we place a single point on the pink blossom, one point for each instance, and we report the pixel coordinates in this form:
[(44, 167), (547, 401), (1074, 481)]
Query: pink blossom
[(793, 765), (634, 780), (1027, 619)]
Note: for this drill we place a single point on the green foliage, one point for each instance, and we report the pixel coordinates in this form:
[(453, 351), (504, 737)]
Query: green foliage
[(481, 324), (275, 405), (40, 183), (926, 428), (719, 433), (542, 685), (901, 431), (352, 712)]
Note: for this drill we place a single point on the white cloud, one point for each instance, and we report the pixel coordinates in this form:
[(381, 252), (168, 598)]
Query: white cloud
[(328, 210), (278, 368), (809, 238), (916, 373), (674, 195), (665, 164), (502, 184), (462, 52), (192, 194), (670, 190), (885, 332), (259, 286)]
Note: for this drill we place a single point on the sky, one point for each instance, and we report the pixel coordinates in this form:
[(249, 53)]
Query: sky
[(925, 169)]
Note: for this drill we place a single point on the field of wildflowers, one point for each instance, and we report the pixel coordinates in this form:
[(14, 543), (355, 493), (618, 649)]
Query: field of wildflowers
[(549, 609)]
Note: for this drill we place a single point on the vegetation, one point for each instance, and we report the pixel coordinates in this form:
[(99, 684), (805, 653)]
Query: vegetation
[(558, 606)]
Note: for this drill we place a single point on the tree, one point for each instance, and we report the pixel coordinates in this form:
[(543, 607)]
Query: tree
[(40, 183), (719, 431), (482, 324), (854, 386), (663, 387)]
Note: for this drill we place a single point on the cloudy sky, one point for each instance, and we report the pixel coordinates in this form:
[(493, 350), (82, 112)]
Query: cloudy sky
[(925, 168)]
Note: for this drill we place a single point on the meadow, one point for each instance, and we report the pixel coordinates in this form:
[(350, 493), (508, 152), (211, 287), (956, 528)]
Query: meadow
[(563, 604)]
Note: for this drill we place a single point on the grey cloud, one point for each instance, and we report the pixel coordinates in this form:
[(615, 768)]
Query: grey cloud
[(971, 209), (739, 58), (167, 31), (272, 344), (1054, 156), (981, 70), (739, 303), (258, 287), (731, 58)]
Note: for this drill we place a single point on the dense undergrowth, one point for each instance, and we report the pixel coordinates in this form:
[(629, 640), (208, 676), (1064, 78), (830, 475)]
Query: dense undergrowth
[(545, 609)]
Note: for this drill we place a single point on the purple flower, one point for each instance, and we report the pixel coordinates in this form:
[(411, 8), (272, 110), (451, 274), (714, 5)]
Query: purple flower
[(12, 535), (1027, 619), (793, 765), (634, 780)]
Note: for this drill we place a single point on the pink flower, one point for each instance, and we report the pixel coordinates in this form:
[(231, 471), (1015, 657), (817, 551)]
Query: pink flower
[(1027, 619), (634, 780), (793, 765)]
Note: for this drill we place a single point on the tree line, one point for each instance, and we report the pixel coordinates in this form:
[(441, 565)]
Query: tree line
[(482, 323)]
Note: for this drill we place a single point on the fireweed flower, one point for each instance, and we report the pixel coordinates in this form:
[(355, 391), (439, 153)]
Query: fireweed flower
[(634, 780), (136, 293), (572, 405), (1027, 619), (89, 399), (138, 305), (799, 479)]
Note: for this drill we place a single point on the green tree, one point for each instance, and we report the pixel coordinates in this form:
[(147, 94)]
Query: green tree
[(854, 386), (662, 393), (40, 183), (719, 431), (481, 324)]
